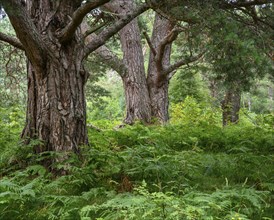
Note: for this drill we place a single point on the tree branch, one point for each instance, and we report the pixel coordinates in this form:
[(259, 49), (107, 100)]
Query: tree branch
[(111, 60), (113, 29), (161, 48), (92, 30), (11, 40), (77, 18), (253, 14), (181, 62), (149, 43), (105, 54), (26, 31)]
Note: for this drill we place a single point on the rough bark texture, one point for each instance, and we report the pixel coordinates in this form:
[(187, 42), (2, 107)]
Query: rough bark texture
[(56, 110), (158, 81), (146, 96), (49, 32), (231, 106), (134, 79)]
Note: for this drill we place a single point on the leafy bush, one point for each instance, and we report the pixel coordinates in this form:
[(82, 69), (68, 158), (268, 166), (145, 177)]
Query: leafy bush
[(192, 170), (192, 112), (225, 203)]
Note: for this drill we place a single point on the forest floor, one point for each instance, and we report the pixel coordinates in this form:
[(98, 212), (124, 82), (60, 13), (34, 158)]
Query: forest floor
[(184, 171)]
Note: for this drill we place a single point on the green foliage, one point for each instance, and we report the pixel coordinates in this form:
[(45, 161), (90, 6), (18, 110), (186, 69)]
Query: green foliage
[(108, 106), (188, 83), (159, 205), (237, 54), (11, 122), (190, 111), (13, 78), (259, 97), (191, 168)]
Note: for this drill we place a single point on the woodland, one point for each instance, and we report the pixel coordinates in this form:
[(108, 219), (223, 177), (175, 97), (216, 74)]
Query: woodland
[(136, 109)]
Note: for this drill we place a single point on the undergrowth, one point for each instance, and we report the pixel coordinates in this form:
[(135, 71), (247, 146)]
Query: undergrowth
[(186, 170)]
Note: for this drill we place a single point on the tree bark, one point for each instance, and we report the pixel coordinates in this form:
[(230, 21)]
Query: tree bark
[(146, 96), (56, 108), (158, 81), (231, 106), (134, 79), (49, 33)]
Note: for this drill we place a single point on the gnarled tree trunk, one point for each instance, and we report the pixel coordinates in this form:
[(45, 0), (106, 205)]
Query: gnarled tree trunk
[(157, 80), (56, 108), (134, 80), (49, 32)]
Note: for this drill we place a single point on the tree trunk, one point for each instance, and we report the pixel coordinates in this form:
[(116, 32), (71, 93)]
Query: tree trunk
[(159, 100), (145, 96), (56, 108), (134, 80), (157, 81), (49, 32), (231, 106)]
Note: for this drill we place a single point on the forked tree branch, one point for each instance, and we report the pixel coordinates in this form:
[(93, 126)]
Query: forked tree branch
[(11, 40), (113, 29), (181, 62), (77, 18), (161, 48)]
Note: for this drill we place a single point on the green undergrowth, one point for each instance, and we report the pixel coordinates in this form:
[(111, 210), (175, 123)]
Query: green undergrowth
[(191, 170)]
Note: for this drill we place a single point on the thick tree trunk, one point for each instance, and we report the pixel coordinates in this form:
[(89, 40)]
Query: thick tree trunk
[(159, 100), (134, 80), (231, 106), (49, 33), (157, 81), (137, 101), (56, 109)]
